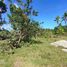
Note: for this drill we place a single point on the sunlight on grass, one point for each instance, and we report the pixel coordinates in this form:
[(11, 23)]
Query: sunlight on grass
[(37, 55)]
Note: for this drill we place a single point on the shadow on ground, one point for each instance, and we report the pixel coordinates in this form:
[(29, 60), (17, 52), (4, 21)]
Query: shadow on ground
[(36, 42)]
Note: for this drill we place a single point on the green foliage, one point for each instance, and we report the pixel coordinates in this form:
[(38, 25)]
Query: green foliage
[(5, 47), (59, 30), (24, 28), (3, 6), (57, 19), (64, 18), (46, 33), (4, 35)]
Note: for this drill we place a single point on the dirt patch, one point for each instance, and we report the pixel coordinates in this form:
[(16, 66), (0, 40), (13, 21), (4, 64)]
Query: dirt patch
[(19, 62)]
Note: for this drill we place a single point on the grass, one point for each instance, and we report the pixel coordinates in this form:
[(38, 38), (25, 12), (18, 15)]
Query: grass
[(39, 53)]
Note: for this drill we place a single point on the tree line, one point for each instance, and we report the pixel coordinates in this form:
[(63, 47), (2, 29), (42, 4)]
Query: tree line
[(60, 29)]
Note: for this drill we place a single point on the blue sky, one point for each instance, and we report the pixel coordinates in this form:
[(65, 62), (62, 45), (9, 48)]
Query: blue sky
[(48, 10)]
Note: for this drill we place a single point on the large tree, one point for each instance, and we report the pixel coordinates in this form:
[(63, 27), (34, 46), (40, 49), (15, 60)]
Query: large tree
[(64, 18), (24, 27), (57, 19)]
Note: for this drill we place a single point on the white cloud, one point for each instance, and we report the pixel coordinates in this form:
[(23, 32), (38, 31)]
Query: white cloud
[(16, 5), (7, 27)]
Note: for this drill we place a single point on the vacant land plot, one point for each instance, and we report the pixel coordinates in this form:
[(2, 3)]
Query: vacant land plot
[(39, 53)]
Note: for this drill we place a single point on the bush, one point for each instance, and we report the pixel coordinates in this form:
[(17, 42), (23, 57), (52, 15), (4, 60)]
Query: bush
[(5, 47)]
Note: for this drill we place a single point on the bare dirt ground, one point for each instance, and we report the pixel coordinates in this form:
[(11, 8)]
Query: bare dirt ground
[(19, 62)]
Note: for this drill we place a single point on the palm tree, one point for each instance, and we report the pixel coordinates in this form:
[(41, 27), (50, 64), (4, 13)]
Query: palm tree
[(64, 18), (57, 19)]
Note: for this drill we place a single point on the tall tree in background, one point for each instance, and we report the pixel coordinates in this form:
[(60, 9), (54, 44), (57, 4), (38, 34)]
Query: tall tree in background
[(64, 18), (57, 19)]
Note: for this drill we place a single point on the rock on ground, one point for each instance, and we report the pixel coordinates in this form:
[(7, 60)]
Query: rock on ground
[(62, 43), (65, 50)]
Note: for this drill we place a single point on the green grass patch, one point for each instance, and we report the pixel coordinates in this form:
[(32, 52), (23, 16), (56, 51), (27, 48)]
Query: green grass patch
[(39, 53)]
